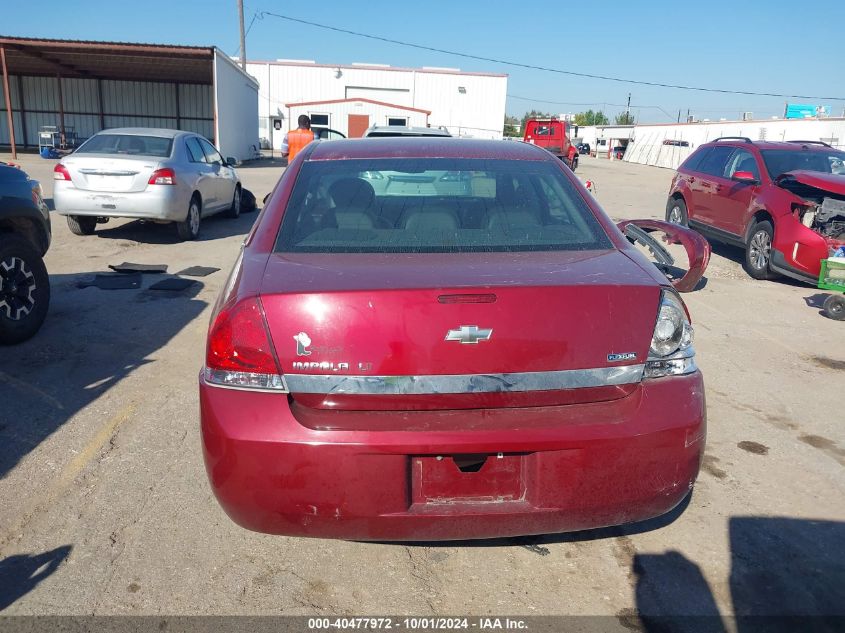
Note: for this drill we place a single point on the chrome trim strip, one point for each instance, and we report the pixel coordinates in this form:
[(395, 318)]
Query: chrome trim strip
[(465, 383)]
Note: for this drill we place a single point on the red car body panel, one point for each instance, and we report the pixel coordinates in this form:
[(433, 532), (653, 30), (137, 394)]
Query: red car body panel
[(697, 248), (731, 209), (581, 466), (834, 183), (388, 467)]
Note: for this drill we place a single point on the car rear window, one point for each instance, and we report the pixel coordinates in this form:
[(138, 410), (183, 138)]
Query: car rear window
[(436, 205), (780, 161), (131, 144)]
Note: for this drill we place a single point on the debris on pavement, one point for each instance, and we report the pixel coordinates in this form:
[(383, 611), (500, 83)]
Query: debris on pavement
[(198, 271), (127, 267), (173, 284), (112, 281)]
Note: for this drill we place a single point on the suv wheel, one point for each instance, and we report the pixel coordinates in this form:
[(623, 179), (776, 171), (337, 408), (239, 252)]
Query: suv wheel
[(758, 251), (676, 212), (24, 290), (81, 225)]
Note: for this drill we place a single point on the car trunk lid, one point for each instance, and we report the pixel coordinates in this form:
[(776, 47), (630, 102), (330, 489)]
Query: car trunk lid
[(495, 330), (107, 173)]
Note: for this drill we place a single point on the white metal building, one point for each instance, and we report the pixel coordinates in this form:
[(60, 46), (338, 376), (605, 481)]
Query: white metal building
[(351, 117), (80, 88), (668, 145), (467, 104)]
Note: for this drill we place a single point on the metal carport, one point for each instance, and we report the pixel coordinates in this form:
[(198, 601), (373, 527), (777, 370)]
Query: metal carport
[(90, 86)]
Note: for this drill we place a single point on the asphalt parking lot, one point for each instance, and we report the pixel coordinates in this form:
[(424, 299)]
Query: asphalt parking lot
[(106, 509)]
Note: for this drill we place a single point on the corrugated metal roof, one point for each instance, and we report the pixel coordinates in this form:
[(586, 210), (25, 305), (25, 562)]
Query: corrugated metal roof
[(108, 60)]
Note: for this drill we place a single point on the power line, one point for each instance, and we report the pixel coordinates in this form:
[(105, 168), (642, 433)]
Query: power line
[(543, 68), (593, 103)]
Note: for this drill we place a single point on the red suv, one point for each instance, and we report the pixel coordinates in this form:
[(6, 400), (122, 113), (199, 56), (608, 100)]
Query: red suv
[(783, 202)]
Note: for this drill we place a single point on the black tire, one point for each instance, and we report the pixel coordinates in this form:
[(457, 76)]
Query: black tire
[(248, 202), (834, 307), (234, 211), (81, 225), (758, 251), (189, 228), (574, 165), (24, 290), (676, 212)]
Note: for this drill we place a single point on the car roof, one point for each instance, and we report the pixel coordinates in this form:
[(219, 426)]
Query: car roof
[(145, 131), (426, 147), (401, 130), (776, 145)]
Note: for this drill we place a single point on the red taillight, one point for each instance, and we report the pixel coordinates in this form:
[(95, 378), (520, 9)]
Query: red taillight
[(239, 352), (60, 172), (164, 176)]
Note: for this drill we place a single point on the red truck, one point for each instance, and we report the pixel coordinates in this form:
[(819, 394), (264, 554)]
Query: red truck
[(553, 135)]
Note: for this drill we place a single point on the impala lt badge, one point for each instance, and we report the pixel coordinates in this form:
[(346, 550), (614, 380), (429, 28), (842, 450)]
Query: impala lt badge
[(469, 335), (302, 341)]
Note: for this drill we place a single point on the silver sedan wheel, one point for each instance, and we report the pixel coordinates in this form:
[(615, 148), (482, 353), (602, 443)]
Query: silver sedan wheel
[(194, 217), (760, 250)]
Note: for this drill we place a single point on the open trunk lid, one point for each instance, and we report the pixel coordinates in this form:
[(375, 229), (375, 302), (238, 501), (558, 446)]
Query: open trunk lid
[(498, 330)]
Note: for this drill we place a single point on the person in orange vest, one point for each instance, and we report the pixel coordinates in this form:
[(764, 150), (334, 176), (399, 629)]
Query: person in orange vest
[(296, 139)]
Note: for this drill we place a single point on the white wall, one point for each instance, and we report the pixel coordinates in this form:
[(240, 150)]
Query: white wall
[(236, 100), (339, 115), (647, 148), (478, 111)]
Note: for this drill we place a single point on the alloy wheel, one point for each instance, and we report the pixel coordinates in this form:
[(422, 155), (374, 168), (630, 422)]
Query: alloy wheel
[(17, 288), (760, 249), (675, 216), (194, 218)]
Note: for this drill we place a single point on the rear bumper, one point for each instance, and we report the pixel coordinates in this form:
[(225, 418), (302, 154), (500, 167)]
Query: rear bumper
[(589, 466), (157, 202)]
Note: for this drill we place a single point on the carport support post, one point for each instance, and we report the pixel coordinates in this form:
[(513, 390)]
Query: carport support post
[(100, 101), (62, 138), (8, 96)]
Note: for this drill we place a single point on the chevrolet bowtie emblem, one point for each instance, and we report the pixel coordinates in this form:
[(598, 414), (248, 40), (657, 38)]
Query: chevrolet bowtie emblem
[(469, 334)]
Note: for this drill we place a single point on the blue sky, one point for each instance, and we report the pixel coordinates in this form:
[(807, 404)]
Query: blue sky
[(774, 47)]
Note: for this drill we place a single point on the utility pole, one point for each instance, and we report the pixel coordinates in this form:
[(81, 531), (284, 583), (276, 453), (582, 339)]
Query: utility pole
[(628, 109), (243, 37)]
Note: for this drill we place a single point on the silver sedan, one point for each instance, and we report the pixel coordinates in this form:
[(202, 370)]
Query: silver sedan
[(150, 174)]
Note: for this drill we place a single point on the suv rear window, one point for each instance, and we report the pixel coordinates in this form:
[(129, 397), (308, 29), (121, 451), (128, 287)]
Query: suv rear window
[(130, 144), (436, 205)]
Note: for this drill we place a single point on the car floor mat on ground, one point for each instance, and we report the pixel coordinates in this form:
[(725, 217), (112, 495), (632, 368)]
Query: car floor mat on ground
[(112, 281), (198, 271), (127, 267), (173, 284)]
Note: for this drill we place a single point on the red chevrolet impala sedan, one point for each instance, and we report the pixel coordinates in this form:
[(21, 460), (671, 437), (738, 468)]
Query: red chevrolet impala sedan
[(430, 339)]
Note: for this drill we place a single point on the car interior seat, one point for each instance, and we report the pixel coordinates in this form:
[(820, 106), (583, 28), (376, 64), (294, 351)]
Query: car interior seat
[(353, 199), (431, 217)]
